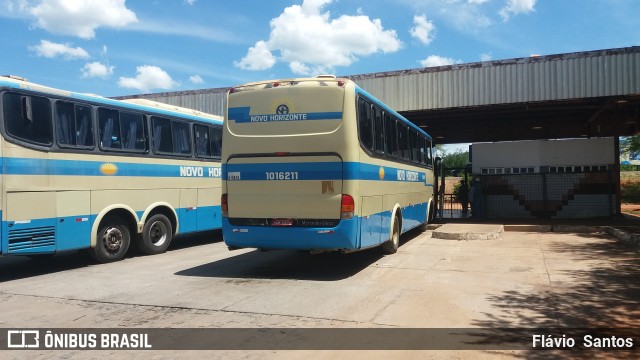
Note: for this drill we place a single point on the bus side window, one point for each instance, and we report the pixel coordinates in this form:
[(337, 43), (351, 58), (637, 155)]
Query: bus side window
[(365, 128), (28, 118), (413, 145), (74, 125), (216, 141), (378, 130), (390, 136), (203, 146), (181, 138), (162, 139), (132, 130), (422, 155), (65, 123), (84, 126), (109, 125), (403, 141)]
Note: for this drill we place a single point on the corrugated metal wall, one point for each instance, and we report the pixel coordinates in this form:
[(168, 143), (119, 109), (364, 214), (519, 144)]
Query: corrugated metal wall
[(555, 77), (211, 101), (541, 78)]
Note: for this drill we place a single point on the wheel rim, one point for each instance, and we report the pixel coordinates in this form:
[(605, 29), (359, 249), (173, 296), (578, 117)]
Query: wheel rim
[(112, 239), (158, 233)]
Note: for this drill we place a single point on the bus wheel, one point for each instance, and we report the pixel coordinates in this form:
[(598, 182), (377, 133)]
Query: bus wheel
[(112, 241), (156, 235), (391, 246)]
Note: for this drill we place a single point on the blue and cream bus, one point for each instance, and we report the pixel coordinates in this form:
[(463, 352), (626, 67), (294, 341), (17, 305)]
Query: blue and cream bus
[(81, 171), (319, 164)]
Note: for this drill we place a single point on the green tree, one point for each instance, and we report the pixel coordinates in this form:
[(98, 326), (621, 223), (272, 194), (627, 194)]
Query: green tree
[(630, 144), (456, 159)]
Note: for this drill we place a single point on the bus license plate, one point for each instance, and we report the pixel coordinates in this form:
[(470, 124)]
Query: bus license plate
[(282, 222)]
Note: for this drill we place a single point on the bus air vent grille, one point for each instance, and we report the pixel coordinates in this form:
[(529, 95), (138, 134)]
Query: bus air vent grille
[(21, 239)]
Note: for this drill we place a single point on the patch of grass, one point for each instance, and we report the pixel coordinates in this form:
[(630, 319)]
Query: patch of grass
[(630, 190)]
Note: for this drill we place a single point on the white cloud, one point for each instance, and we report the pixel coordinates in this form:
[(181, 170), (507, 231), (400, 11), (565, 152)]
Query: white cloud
[(515, 7), (81, 17), (435, 60), (96, 69), (175, 27), (148, 77), (259, 57), (468, 16), (299, 68), (422, 29), (50, 49), (190, 2), (196, 79), (311, 41), (486, 57)]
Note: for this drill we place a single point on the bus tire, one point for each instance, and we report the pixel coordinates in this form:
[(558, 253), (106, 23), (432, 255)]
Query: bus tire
[(156, 235), (391, 246), (113, 240)]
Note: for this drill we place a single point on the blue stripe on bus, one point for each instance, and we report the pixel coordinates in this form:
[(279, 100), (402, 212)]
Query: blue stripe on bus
[(29, 166), (353, 234), (323, 171), (48, 235), (243, 115)]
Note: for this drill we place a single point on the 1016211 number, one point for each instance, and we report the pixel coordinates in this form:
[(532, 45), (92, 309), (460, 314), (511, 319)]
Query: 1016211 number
[(282, 175)]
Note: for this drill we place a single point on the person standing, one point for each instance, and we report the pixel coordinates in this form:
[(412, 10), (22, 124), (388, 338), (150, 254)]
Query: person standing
[(463, 196), (476, 197)]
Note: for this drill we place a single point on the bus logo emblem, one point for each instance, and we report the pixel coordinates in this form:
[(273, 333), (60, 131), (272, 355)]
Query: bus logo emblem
[(108, 168), (381, 173), (282, 109)]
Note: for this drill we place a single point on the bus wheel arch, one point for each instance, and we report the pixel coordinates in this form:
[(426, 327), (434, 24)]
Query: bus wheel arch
[(111, 235), (160, 208), (123, 212), (391, 246), (157, 231)]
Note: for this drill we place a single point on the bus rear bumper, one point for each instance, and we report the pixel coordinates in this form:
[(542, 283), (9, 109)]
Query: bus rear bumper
[(340, 238)]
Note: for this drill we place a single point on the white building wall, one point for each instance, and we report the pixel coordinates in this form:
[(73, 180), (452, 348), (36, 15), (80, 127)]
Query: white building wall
[(539, 153)]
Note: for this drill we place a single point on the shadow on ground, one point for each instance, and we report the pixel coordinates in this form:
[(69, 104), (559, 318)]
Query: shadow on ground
[(20, 267), (291, 264), (604, 296)]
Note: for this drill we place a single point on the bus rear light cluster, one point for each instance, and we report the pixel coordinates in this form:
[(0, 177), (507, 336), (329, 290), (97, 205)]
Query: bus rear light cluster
[(224, 205), (347, 207)]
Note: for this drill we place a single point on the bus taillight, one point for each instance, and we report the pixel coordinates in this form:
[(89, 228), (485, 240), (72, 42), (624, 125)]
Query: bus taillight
[(224, 205), (347, 207)]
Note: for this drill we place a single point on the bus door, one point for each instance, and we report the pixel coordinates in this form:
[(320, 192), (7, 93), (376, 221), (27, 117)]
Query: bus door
[(286, 190)]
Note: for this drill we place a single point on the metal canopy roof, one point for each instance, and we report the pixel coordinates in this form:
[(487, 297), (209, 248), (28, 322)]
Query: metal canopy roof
[(582, 94), (590, 117)]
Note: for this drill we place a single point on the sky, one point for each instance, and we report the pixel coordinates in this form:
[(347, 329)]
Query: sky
[(127, 47)]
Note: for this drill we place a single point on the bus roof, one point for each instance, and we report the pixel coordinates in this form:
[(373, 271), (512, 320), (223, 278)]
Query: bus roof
[(135, 104), (159, 105), (270, 83), (324, 78)]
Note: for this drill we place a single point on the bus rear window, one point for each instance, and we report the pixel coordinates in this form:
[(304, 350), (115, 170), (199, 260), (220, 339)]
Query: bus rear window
[(28, 118), (298, 109)]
